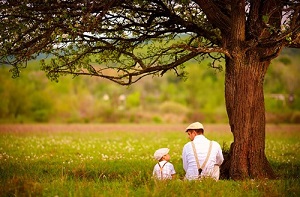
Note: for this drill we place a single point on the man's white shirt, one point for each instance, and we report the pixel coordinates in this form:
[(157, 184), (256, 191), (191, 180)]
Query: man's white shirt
[(202, 146)]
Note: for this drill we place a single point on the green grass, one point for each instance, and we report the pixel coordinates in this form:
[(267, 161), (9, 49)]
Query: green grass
[(120, 164)]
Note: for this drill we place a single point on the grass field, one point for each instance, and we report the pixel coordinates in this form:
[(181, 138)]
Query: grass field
[(116, 160)]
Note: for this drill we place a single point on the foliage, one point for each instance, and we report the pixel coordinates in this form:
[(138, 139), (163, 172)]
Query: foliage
[(133, 100), (80, 36), (282, 88), (120, 163), (161, 99), (96, 100)]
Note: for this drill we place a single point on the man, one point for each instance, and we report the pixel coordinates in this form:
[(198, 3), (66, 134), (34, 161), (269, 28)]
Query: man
[(208, 153)]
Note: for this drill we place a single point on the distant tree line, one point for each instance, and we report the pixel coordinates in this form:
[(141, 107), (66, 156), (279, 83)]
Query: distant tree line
[(33, 98)]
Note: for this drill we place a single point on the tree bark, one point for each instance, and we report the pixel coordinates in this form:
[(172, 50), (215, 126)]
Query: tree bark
[(246, 112)]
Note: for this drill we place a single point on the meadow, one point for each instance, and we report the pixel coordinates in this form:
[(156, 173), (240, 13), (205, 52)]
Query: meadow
[(117, 160)]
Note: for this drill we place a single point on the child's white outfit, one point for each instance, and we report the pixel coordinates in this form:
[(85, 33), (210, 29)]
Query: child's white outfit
[(163, 170)]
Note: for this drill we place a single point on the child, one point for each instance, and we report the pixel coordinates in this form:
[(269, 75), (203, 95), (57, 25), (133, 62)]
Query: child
[(163, 169)]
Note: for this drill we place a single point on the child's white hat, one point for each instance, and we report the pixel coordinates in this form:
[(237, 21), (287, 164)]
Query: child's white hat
[(160, 153)]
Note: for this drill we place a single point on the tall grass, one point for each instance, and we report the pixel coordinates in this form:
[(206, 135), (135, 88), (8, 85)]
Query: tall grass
[(120, 164)]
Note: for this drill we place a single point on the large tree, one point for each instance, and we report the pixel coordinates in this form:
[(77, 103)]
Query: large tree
[(126, 40)]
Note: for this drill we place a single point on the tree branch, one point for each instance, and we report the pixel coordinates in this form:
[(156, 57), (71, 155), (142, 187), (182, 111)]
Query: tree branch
[(203, 49), (214, 15)]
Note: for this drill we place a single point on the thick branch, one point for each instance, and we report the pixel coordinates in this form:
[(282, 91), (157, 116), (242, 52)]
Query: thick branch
[(214, 15)]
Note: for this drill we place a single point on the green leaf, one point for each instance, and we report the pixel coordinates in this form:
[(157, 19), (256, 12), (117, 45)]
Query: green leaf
[(265, 18)]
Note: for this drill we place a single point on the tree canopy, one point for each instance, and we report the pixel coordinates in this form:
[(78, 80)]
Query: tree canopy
[(96, 37)]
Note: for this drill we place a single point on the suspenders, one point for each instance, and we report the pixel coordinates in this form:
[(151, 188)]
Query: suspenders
[(196, 157), (161, 169)]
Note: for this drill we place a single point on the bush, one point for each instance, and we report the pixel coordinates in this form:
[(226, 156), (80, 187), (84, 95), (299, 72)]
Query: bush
[(295, 118), (173, 107), (133, 100)]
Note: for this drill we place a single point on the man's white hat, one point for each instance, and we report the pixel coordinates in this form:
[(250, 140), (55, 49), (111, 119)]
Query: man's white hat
[(160, 153), (195, 125)]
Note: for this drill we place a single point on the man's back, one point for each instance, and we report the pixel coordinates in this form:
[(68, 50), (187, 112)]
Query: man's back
[(202, 146)]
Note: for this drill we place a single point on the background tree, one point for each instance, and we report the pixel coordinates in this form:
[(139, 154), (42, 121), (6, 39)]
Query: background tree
[(124, 41)]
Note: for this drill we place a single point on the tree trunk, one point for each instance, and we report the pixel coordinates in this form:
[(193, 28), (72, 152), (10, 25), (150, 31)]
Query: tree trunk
[(246, 158)]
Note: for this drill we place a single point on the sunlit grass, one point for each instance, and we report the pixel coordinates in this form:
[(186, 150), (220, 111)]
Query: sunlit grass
[(120, 164)]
